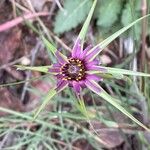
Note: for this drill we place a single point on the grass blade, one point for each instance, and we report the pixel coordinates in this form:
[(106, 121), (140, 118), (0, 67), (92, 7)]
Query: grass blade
[(46, 100)]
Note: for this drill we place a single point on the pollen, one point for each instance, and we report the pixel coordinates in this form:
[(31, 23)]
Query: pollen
[(69, 78), (64, 79)]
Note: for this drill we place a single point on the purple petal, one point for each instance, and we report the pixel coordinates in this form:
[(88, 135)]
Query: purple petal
[(77, 49), (94, 62), (76, 87), (59, 76), (93, 77), (54, 70), (93, 86), (57, 65), (82, 83), (61, 85), (61, 58), (92, 54), (95, 68), (83, 54)]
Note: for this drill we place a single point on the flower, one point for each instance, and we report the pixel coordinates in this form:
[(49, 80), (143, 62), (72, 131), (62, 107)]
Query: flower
[(75, 71)]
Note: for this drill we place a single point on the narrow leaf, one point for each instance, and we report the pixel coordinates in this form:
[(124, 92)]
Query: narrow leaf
[(46, 100)]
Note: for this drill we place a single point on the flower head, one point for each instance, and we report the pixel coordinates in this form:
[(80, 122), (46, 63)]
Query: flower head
[(74, 71)]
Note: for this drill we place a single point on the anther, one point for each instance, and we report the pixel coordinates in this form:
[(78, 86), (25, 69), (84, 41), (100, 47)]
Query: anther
[(64, 79)]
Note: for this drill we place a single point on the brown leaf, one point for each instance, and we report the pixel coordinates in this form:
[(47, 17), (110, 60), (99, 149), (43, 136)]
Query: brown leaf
[(8, 100), (9, 42), (111, 136)]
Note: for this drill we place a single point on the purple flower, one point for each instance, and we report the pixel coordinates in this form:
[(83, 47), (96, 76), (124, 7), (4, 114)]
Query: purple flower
[(75, 72)]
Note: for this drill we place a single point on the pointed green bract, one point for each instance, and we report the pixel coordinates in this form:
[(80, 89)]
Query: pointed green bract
[(122, 72), (86, 24), (107, 41), (52, 48), (113, 102), (82, 108), (38, 68), (125, 72), (46, 100), (49, 45)]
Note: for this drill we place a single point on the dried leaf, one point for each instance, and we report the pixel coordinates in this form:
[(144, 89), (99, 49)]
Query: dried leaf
[(8, 100), (9, 42)]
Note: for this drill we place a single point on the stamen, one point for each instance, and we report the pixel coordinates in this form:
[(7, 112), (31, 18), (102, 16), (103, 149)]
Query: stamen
[(64, 79)]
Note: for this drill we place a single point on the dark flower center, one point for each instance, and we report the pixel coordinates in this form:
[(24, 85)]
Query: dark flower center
[(74, 70)]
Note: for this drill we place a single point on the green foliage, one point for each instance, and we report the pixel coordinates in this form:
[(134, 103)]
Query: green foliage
[(108, 12), (110, 15), (75, 11), (129, 14)]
